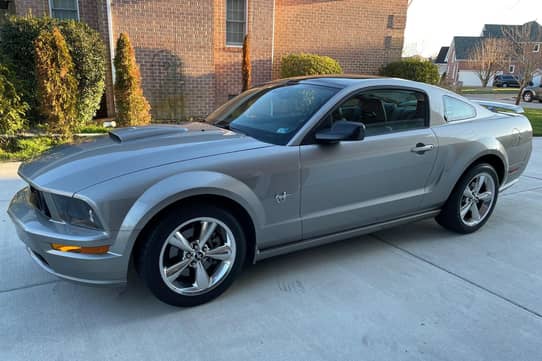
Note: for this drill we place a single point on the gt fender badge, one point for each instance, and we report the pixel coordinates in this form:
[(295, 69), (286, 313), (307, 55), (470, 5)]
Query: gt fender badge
[(281, 197)]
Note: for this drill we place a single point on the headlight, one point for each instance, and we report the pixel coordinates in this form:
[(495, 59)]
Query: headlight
[(74, 211)]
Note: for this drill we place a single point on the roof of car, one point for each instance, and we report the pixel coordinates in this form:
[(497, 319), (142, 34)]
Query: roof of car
[(335, 80)]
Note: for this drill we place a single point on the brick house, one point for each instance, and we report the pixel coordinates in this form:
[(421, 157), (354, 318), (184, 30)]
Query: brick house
[(190, 51), (461, 69)]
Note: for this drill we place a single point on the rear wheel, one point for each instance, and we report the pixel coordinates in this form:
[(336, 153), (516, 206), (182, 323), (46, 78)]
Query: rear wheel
[(528, 97), (192, 255), (472, 201)]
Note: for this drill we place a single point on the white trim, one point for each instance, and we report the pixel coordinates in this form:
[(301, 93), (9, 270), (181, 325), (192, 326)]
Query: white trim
[(76, 9), (273, 40), (536, 48), (511, 68), (110, 38)]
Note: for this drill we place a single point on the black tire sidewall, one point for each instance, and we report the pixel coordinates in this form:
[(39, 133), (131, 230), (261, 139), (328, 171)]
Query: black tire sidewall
[(450, 217), (530, 99), (149, 264)]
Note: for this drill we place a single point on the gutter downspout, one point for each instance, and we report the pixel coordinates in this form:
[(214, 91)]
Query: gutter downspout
[(110, 37)]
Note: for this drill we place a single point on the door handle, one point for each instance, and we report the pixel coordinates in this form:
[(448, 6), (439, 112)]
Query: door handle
[(421, 148)]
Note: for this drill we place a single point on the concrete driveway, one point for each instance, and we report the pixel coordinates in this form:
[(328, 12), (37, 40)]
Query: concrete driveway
[(416, 292)]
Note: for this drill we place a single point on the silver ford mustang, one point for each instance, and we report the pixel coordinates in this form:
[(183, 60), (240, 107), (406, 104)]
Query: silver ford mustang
[(289, 165)]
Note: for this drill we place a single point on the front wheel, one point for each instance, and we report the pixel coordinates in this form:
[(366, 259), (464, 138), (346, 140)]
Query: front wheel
[(472, 201), (192, 255), (505, 85)]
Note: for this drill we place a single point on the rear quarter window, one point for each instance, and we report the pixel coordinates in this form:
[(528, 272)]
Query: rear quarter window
[(455, 109)]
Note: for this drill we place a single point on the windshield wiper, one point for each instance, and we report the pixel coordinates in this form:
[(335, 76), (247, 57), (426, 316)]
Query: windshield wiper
[(236, 130)]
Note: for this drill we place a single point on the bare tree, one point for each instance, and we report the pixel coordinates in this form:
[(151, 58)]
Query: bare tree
[(522, 40), (488, 56)]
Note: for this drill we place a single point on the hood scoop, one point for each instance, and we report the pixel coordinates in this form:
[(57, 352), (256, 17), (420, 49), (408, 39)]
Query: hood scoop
[(122, 135)]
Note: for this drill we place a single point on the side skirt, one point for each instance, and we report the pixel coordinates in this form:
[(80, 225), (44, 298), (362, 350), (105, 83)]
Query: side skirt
[(318, 241)]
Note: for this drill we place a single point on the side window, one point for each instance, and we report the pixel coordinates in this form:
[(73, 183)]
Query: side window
[(385, 110), (455, 109)]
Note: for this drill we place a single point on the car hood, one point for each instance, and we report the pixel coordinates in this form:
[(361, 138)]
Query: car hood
[(70, 168)]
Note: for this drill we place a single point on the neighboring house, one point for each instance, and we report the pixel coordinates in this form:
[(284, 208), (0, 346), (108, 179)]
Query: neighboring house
[(461, 70), (190, 51), (440, 60)]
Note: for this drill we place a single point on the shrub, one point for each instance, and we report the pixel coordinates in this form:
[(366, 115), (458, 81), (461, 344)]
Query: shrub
[(308, 64), (26, 148), (56, 83), (86, 48), (413, 69), (246, 67), (12, 108), (132, 107), (88, 53)]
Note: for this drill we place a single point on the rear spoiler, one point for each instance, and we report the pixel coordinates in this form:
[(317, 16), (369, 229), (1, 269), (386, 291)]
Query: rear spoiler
[(496, 106)]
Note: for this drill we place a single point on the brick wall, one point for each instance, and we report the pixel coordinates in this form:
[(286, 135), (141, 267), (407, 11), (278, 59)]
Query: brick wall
[(173, 41), (351, 31), (228, 59), (35, 7), (188, 70)]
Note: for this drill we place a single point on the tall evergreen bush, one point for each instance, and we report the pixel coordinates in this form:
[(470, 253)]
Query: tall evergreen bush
[(132, 107), (56, 83)]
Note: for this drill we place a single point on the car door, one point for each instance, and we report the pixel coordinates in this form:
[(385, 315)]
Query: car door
[(356, 183)]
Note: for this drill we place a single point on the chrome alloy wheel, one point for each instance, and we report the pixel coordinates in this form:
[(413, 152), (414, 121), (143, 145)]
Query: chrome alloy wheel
[(477, 199), (197, 256)]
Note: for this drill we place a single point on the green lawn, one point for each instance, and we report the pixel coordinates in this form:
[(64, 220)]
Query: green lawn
[(535, 116), (489, 90)]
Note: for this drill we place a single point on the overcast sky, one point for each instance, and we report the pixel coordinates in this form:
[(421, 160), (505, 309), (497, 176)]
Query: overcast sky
[(433, 23)]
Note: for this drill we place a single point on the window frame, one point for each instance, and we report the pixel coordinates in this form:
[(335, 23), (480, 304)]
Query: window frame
[(459, 100), (76, 10), (309, 138), (536, 48), (245, 28), (511, 69)]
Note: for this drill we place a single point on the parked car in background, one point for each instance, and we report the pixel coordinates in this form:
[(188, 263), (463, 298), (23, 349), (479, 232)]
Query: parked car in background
[(506, 81), (532, 92), (282, 167)]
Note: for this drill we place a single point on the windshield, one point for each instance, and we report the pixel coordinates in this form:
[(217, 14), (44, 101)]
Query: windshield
[(272, 114)]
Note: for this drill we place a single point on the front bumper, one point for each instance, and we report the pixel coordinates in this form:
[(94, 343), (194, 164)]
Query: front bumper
[(38, 233)]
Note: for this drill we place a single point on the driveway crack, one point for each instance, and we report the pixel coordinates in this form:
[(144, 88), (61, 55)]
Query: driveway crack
[(28, 286), (477, 285)]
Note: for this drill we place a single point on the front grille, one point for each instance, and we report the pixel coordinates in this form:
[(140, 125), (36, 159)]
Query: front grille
[(37, 199)]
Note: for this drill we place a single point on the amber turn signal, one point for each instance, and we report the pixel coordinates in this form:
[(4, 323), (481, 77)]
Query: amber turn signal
[(78, 249)]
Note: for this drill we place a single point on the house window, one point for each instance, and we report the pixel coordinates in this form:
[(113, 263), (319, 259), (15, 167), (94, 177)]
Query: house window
[(511, 68), (64, 9), (390, 21), (387, 42), (236, 21), (536, 48)]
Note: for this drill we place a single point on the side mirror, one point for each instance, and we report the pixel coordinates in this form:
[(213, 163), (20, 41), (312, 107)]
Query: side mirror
[(341, 130)]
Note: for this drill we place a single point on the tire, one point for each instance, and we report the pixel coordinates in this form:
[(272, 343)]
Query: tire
[(208, 273), (528, 97), (505, 85), (458, 214)]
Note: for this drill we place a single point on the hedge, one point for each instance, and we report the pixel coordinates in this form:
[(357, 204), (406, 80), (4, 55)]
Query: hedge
[(56, 83), (86, 48), (308, 64), (12, 107), (413, 69)]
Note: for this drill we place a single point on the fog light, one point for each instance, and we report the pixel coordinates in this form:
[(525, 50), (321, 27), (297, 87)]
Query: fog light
[(78, 249)]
